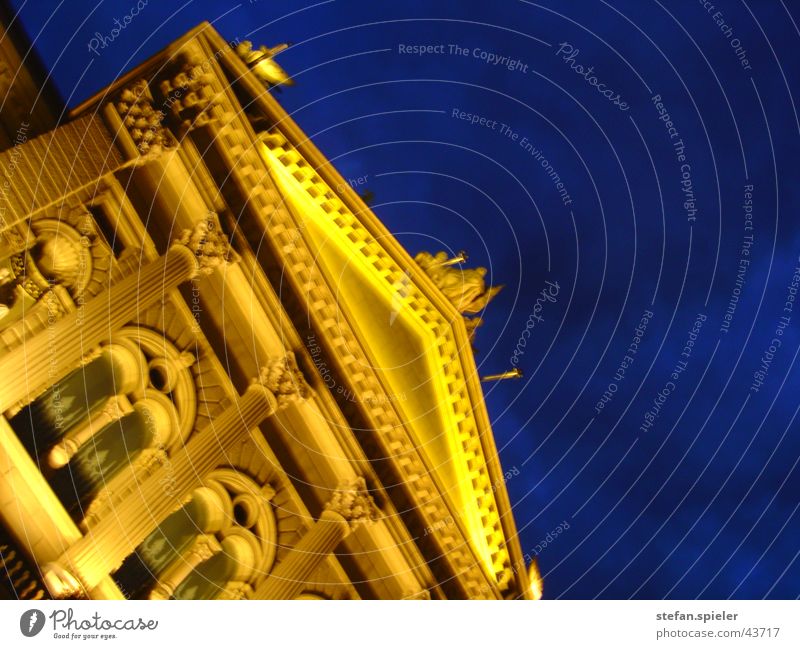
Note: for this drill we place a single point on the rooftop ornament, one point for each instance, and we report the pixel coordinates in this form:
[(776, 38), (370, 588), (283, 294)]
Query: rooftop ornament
[(262, 63), (465, 287)]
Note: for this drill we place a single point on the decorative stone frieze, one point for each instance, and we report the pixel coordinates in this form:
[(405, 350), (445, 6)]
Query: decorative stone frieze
[(142, 120)]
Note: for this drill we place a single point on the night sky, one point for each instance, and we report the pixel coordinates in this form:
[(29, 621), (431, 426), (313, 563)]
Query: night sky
[(673, 131)]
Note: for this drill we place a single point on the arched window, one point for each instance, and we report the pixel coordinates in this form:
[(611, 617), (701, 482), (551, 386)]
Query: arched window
[(218, 546)]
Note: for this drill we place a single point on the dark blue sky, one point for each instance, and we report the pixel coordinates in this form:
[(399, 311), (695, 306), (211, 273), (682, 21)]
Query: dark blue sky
[(703, 502)]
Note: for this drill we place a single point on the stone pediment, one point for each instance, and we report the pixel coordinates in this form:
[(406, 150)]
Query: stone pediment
[(415, 339)]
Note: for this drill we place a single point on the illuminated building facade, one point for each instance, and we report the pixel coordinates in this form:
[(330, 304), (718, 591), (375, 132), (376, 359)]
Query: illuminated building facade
[(222, 377)]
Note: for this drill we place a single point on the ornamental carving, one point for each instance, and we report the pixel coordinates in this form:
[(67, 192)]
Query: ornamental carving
[(284, 379), (58, 257), (62, 256), (465, 288), (352, 501), (142, 121), (209, 244), (262, 63)]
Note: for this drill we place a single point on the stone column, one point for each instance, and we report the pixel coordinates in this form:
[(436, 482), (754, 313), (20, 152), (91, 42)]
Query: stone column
[(115, 408), (350, 506), (49, 355), (107, 544)]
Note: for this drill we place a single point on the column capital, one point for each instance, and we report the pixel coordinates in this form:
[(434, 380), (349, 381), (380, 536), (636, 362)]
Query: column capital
[(352, 501), (284, 378), (209, 244)]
